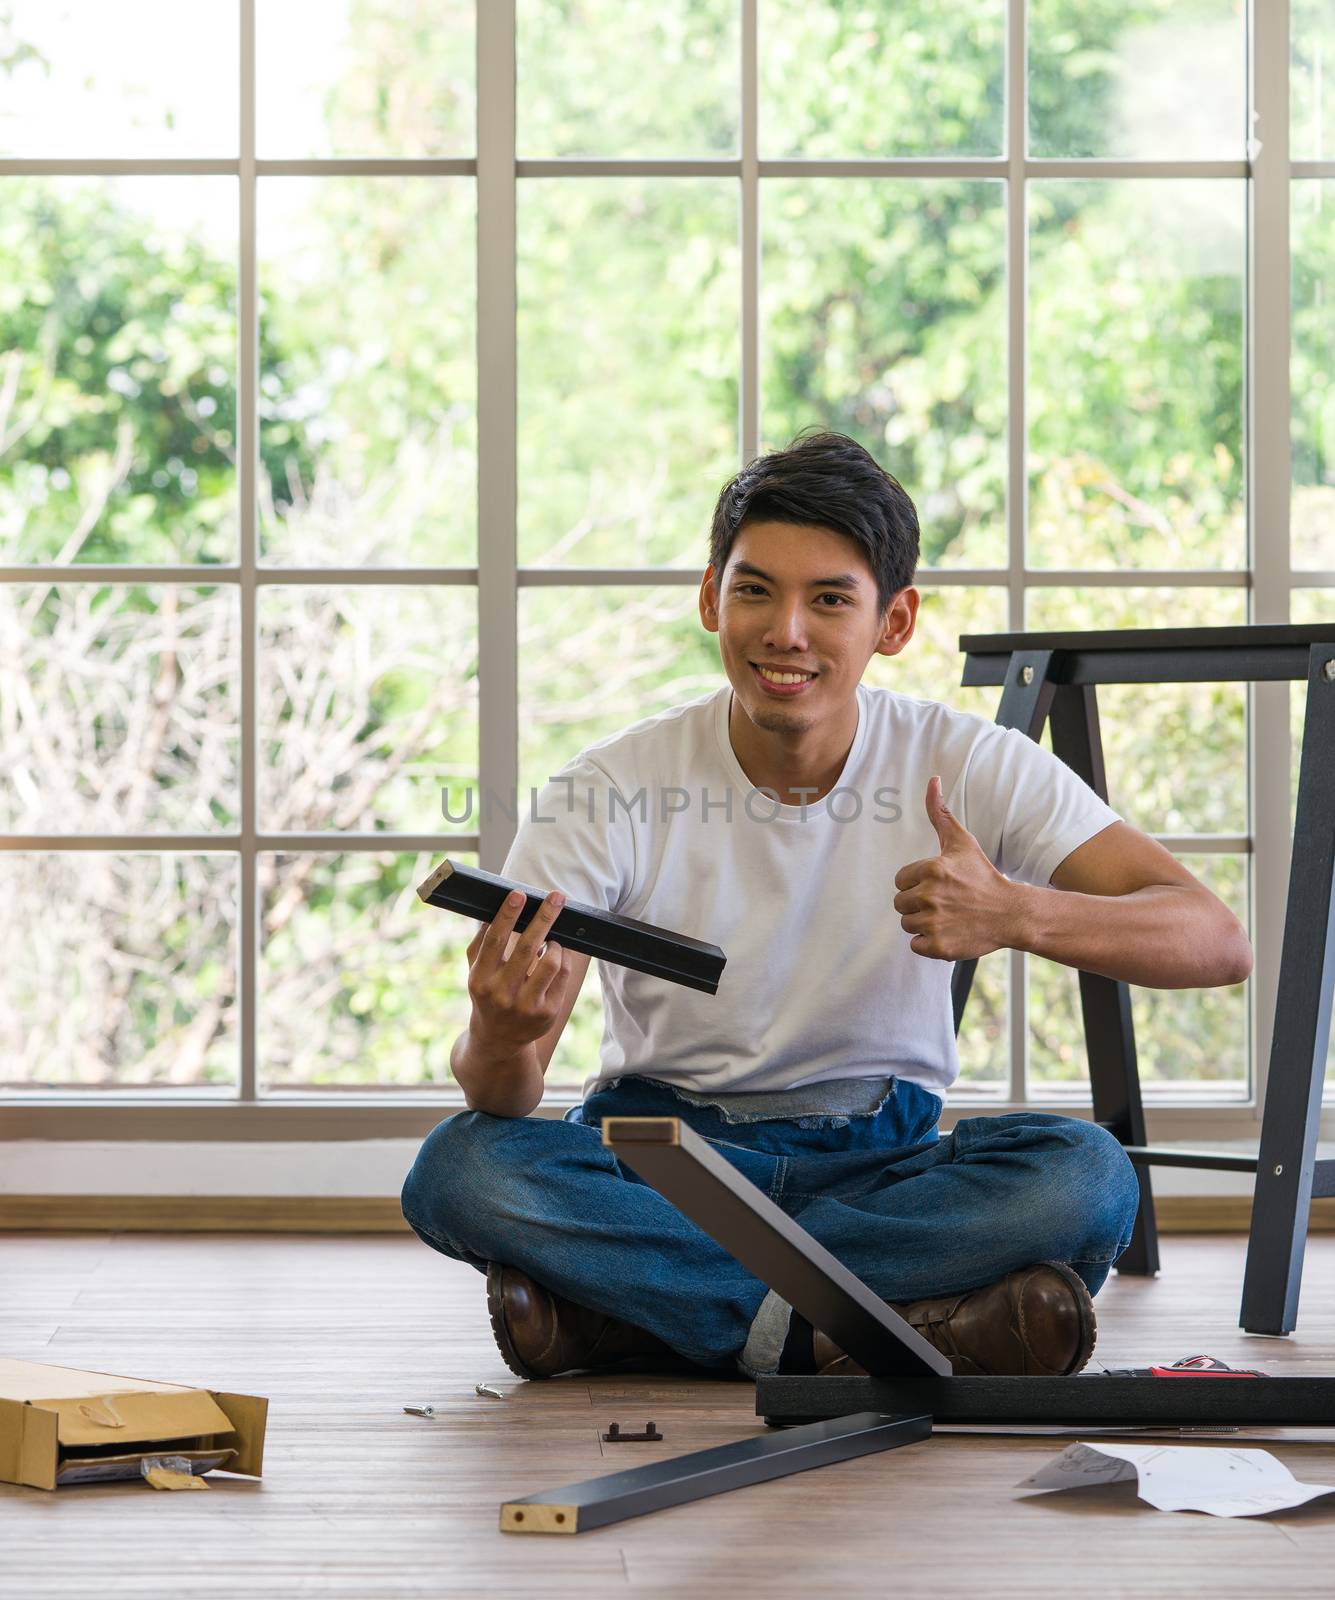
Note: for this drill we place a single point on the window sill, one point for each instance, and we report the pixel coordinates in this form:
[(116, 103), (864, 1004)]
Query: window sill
[(137, 1114)]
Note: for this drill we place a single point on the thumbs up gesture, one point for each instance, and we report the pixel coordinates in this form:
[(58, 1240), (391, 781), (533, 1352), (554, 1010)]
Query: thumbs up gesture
[(956, 904)]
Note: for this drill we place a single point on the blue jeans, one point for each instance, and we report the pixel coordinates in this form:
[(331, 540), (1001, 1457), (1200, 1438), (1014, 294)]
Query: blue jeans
[(912, 1213)]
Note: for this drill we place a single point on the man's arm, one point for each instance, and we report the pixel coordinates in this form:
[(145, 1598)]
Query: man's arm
[(504, 1084), (1125, 907), (1120, 905)]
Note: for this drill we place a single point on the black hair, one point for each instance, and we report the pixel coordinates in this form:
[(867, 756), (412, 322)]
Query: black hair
[(824, 480)]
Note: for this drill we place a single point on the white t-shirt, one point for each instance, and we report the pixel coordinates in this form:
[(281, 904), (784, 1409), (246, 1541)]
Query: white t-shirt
[(659, 822)]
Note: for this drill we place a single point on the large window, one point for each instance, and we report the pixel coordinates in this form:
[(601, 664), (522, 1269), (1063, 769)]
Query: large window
[(368, 372)]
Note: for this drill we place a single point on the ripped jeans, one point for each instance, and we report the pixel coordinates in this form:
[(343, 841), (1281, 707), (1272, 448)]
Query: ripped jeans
[(911, 1212)]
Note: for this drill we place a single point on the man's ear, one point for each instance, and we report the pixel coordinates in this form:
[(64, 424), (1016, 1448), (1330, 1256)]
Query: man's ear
[(901, 617), (709, 602)]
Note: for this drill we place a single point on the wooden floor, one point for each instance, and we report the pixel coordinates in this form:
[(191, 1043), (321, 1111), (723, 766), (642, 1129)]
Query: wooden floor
[(360, 1500)]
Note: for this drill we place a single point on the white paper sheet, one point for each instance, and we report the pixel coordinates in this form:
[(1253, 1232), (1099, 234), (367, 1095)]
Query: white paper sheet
[(1226, 1482)]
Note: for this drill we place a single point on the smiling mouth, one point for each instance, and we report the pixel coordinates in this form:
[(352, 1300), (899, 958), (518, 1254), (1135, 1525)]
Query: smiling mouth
[(803, 678)]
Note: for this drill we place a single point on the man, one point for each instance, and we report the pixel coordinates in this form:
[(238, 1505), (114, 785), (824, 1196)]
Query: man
[(844, 846)]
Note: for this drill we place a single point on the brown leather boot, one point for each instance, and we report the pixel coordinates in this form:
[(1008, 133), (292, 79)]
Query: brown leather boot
[(1037, 1320), (541, 1335)]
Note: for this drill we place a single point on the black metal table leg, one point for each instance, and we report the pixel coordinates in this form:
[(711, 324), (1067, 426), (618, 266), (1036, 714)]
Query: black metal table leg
[(612, 1498), (1105, 1003), (1084, 1400), (1288, 1176), (1292, 1115), (667, 1153)]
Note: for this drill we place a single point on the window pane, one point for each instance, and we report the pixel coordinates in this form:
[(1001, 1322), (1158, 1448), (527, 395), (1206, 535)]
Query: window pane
[(360, 78), (1136, 374), (368, 412), (118, 373), (1187, 1040), (591, 662), (118, 970), (83, 78), (1312, 55), (360, 983), (647, 78), (1312, 507), (891, 80), (367, 706), (120, 709), (628, 368), (1312, 605), (594, 660), (884, 317), (983, 1041), (930, 666), (1155, 80), (1175, 753)]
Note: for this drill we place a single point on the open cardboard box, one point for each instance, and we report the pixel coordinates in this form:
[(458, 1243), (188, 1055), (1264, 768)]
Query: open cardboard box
[(62, 1425)]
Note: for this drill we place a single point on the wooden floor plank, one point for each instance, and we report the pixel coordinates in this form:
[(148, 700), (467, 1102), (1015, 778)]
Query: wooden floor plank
[(361, 1500)]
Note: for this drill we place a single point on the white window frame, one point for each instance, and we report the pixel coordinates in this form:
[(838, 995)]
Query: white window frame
[(136, 1113)]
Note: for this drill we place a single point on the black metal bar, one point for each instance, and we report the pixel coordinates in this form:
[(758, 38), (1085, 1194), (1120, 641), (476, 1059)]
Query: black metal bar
[(595, 1502), (1209, 1159), (1086, 1399), (668, 1154), (1025, 703), (1128, 641), (1292, 1115), (1105, 1003), (1243, 654), (1242, 665), (657, 951)]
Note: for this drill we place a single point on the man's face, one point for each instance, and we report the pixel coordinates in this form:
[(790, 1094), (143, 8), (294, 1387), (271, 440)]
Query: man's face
[(799, 600)]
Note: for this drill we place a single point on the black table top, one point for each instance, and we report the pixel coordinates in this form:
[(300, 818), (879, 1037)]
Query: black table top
[(1248, 634), (1255, 653)]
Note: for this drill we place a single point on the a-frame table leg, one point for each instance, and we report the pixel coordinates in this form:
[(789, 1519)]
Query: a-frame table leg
[(1027, 700), (1287, 1159), (1105, 1003)]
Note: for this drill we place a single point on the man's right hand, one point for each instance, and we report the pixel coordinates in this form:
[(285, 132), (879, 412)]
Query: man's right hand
[(516, 981)]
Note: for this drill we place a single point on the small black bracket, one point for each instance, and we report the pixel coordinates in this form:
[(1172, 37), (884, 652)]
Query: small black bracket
[(614, 1434)]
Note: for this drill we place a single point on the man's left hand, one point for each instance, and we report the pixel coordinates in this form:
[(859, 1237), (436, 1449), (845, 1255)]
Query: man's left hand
[(956, 905)]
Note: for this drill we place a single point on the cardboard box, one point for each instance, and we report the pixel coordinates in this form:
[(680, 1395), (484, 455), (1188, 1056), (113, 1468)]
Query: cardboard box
[(61, 1425)]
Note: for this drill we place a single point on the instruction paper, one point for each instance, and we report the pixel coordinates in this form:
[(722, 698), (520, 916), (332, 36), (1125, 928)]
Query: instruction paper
[(1225, 1482)]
